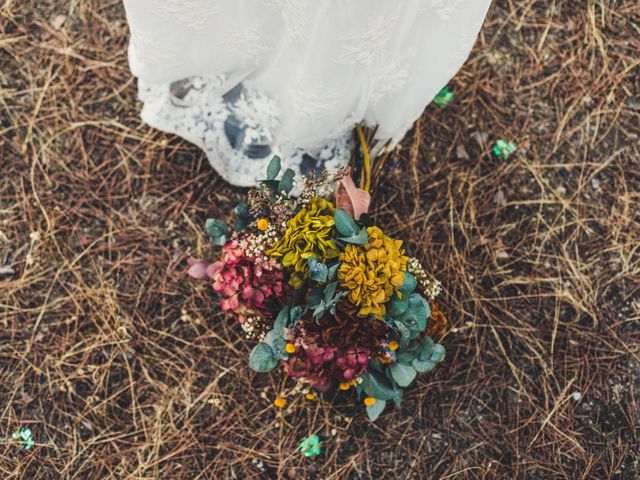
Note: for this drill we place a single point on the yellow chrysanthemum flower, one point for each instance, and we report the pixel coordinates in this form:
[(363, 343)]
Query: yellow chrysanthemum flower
[(263, 224), (373, 272), (308, 234)]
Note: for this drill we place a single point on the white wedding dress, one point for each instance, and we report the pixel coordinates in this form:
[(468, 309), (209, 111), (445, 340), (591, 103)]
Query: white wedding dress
[(246, 79)]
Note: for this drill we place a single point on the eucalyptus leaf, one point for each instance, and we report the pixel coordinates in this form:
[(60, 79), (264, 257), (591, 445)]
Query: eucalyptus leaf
[(286, 182), (397, 399), (410, 323), (319, 311), (274, 168), (427, 307), (272, 186), (241, 209), (217, 230), (242, 216), (409, 284), (330, 292), (271, 337), (278, 346), (402, 374), (426, 348), (417, 314), (315, 297), (376, 409), (282, 319), (438, 353), (376, 385), (408, 352), (345, 224), (422, 366), (333, 270), (407, 356), (405, 331), (220, 241), (360, 239), (262, 358), (295, 314), (375, 364), (319, 271), (397, 306)]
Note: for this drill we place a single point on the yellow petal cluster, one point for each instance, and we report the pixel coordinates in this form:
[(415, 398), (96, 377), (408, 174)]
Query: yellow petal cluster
[(373, 272), (308, 234)]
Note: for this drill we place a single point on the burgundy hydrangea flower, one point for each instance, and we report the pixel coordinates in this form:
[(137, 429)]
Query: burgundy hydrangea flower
[(248, 285), (324, 366), (353, 362)]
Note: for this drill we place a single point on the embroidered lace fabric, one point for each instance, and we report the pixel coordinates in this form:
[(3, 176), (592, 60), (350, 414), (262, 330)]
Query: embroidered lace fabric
[(246, 79)]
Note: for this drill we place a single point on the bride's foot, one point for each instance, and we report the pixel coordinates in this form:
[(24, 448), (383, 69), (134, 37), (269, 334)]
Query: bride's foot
[(238, 130)]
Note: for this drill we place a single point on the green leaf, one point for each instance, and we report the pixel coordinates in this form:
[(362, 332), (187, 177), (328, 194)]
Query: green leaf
[(402, 374), (407, 356), (319, 311), (241, 209), (345, 224), (330, 292), (217, 230), (242, 216), (319, 271), (295, 315), (333, 270), (426, 348), (271, 337), (376, 385), (376, 409), (360, 239), (215, 227), (397, 306), (286, 182), (375, 364), (282, 320), (409, 285), (272, 186), (422, 366), (411, 322), (278, 346), (438, 353), (417, 314), (405, 331), (315, 297), (274, 168), (262, 358), (407, 352), (398, 397)]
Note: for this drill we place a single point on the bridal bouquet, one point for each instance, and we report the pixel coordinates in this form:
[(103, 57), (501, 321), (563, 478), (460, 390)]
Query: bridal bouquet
[(328, 296)]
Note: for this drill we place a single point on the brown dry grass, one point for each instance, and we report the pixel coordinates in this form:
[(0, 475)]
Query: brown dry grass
[(123, 369)]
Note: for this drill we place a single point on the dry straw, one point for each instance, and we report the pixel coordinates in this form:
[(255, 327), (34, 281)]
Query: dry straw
[(122, 370)]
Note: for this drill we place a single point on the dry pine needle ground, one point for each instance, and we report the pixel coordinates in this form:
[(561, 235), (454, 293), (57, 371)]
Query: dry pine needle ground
[(123, 368)]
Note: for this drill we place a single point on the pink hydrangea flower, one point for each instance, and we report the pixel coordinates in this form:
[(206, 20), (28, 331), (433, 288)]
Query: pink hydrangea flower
[(247, 285)]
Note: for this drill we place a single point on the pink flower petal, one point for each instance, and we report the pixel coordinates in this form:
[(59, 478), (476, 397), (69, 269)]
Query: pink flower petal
[(198, 269), (349, 373), (248, 293)]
